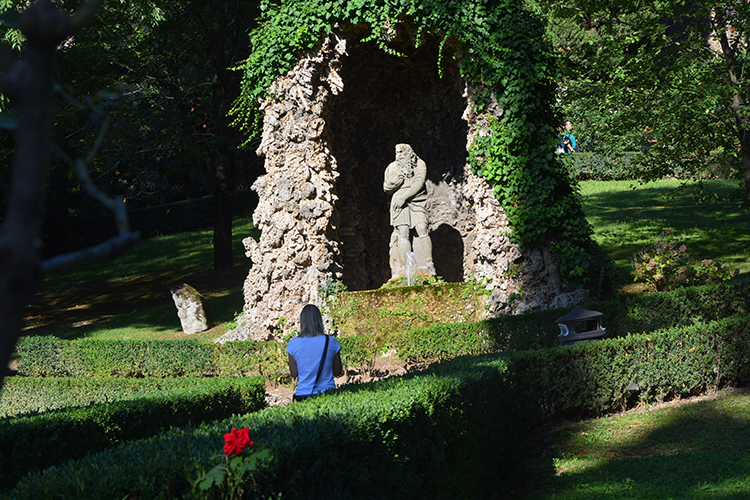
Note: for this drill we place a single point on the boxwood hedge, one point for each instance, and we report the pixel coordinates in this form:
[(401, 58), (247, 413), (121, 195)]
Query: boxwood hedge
[(430, 434), (48, 356), (423, 435), (36, 441)]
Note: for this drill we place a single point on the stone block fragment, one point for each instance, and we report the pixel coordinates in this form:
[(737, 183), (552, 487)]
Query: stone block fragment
[(192, 309)]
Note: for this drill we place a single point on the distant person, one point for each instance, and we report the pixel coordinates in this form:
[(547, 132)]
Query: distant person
[(569, 140), (648, 139), (314, 357), (560, 138)]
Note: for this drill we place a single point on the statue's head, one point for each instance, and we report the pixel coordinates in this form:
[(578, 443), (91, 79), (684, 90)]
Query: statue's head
[(406, 158)]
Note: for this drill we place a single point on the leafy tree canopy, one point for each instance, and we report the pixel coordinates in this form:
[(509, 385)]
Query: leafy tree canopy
[(666, 78)]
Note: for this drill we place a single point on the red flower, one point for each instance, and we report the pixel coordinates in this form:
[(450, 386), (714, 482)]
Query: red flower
[(236, 441)]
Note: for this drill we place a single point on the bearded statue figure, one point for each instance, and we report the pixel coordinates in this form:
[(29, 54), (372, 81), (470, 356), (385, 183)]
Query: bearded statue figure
[(405, 181)]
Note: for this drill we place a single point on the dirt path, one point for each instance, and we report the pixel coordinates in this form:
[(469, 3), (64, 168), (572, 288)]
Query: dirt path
[(386, 366)]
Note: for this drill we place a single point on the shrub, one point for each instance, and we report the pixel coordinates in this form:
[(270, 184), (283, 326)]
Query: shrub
[(431, 435), (666, 265), (602, 167), (34, 442), (48, 356), (613, 374)]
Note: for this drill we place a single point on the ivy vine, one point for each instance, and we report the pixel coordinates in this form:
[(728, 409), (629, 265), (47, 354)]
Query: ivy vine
[(505, 50)]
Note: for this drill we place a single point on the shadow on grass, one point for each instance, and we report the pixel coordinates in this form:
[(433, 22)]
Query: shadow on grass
[(625, 222), (152, 323), (696, 450)]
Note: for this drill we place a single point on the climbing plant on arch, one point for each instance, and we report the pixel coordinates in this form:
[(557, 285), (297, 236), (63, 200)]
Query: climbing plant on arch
[(502, 47)]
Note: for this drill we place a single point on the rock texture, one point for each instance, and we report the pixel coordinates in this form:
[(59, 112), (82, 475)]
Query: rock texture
[(192, 309), (329, 131)]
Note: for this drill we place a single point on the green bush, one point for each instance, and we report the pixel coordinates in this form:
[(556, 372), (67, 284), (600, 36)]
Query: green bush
[(666, 265), (48, 356), (359, 352), (539, 330), (610, 375), (52, 357), (31, 443), (431, 434), (602, 167), (267, 358), (446, 432), (24, 396), (687, 306)]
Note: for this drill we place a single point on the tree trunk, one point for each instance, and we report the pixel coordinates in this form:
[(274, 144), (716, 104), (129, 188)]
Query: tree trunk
[(742, 124), (223, 197), (29, 85), (19, 241), (745, 152)]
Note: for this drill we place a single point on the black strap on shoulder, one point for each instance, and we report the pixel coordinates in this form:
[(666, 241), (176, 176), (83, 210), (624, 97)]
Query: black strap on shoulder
[(322, 362)]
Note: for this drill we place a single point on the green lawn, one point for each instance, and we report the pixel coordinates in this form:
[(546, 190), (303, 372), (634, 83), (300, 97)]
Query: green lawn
[(626, 217), (695, 450), (129, 296)]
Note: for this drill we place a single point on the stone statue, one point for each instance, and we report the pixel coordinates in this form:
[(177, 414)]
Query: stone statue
[(405, 181)]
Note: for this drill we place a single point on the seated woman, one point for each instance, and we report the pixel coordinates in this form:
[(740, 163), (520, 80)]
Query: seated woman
[(314, 357)]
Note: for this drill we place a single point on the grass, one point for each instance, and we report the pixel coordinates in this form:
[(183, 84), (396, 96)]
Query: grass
[(696, 449), (129, 296), (626, 217), (689, 450)]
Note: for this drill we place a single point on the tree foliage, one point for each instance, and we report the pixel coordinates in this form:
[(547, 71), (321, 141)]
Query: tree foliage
[(505, 51), (164, 68), (673, 72)]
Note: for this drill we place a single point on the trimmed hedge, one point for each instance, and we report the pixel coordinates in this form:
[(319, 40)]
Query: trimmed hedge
[(53, 357), (31, 443), (538, 330), (48, 356), (595, 378), (603, 167), (431, 434), (25, 396)]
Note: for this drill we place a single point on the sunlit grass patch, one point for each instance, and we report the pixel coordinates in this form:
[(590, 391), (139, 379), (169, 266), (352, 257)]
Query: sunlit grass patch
[(626, 217), (697, 449)]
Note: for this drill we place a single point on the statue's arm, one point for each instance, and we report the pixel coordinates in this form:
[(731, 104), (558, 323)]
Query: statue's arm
[(392, 180), (417, 183)]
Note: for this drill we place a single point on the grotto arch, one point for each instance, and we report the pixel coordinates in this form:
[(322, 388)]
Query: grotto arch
[(388, 100), (330, 126)]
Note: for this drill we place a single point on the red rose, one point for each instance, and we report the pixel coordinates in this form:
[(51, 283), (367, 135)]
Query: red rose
[(236, 441)]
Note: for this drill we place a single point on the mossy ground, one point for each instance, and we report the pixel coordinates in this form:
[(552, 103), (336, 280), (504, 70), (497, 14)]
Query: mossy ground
[(387, 310)]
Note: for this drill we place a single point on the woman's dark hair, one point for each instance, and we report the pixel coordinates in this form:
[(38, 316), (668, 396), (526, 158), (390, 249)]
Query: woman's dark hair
[(311, 322)]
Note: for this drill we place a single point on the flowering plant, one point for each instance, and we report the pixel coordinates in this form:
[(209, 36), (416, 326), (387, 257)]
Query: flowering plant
[(667, 265), (238, 459)]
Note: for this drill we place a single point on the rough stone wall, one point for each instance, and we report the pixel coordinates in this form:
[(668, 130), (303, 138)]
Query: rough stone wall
[(329, 131)]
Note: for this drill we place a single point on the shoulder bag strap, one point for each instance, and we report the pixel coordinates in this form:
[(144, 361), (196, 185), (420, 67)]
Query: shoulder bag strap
[(322, 362)]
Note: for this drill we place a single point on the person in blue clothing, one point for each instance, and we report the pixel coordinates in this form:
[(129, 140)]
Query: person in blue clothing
[(569, 140), (306, 359)]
